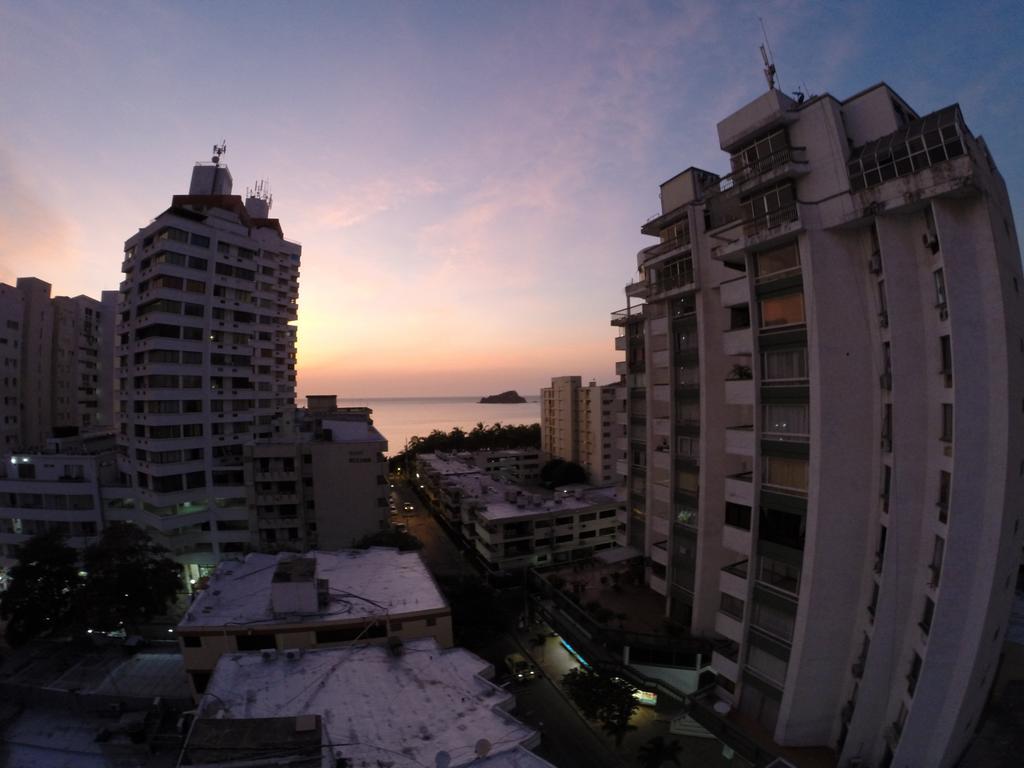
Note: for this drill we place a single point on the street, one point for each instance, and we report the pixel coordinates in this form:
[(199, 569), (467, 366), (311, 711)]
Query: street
[(567, 740)]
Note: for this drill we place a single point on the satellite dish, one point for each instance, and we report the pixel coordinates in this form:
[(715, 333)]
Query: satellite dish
[(442, 759), (483, 748)]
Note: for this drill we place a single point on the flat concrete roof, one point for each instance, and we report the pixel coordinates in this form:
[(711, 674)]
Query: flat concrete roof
[(363, 583), (375, 705)]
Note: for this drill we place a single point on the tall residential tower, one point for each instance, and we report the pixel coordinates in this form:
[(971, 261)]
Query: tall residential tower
[(825, 450), (206, 363)]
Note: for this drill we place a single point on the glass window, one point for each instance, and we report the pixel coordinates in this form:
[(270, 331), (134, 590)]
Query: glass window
[(784, 365), (732, 606), (777, 262), (784, 310), (786, 420), (766, 665), (785, 473), (940, 288), (779, 574), (947, 422), (773, 620)]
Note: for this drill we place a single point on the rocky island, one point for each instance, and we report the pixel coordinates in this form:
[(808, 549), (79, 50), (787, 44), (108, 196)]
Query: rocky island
[(505, 397)]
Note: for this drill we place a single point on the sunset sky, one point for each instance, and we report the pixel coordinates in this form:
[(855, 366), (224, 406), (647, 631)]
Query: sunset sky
[(467, 179)]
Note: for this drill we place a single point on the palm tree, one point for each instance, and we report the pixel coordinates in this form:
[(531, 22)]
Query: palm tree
[(656, 752)]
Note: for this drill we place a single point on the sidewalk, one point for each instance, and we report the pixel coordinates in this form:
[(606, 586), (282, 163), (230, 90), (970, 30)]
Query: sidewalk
[(554, 660)]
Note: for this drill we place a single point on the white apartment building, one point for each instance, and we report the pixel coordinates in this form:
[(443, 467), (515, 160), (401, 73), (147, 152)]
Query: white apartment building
[(579, 424), (325, 488), (58, 487), (320, 599), (511, 527), (206, 363), (514, 465), (56, 372), (825, 442)]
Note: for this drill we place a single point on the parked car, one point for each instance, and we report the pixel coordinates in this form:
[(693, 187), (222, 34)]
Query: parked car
[(408, 507), (519, 667)]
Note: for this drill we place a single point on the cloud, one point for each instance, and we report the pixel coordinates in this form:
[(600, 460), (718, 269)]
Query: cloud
[(357, 203)]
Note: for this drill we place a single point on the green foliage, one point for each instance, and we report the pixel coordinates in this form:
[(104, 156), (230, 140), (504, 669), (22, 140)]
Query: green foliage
[(130, 579), (558, 472), (656, 752), (605, 699), (495, 437), (404, 542), (44, 584)]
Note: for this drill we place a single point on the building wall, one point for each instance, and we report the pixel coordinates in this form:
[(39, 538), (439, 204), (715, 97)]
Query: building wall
[(805, 532), (206, 356)]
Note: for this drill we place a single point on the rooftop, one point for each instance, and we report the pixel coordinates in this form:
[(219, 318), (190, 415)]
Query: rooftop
[(362, 583), (507, 501), (375, 705), (351, 431)]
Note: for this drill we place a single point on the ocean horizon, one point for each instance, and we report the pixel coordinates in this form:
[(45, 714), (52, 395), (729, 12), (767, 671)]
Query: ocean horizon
[(401, 418)]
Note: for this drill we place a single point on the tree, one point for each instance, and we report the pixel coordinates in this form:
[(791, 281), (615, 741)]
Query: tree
[(603, 698), (43, 587), (404, 542), (656, 752), (130, 578), (559, 472)]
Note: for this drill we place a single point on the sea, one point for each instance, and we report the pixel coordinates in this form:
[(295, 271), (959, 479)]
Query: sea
[(400, 418)]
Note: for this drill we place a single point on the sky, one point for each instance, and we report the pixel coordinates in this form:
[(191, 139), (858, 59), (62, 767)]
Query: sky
[(467, 179)]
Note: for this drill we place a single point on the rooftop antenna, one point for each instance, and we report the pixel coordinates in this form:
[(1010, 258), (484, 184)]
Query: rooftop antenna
[(768, 57), (218, 150)]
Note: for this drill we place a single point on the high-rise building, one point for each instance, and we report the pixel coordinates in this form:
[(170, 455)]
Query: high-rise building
[(825, 441), (57, 376), (578, 424), (206, 362)]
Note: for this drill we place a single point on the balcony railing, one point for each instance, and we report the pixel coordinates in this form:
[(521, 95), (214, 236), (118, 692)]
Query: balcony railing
[(771, 220), (629, 313), (762, 166)]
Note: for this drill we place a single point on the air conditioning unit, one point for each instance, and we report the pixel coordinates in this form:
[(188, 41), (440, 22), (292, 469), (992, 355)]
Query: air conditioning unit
[(293, 654), (268, 654)]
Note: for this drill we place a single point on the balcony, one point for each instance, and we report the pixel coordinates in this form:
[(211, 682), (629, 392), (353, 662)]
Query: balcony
[(728, 627), (638, 290), (736, 539), (735, 292), (630, 314), (739, 489), (738, 342), (785, 162), (620, 343), (738, 235), (732, 580), (663, 427), (739, 391), (659, 552), (621, 368), (739, 440)]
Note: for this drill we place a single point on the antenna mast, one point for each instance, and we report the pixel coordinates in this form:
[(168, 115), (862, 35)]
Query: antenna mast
[(768, 57), (218, 150)]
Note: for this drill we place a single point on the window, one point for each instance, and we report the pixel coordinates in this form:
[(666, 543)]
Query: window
[(946, 353), (947, 423), (767, 665), (762, 155), (737, 515), (938, 551), (778, 262), (773, 619), (785, 473), (779, 574), (943, 501), (940, 289), (914, 674), (732, 606), (926, 618), (786, 421), (787, 365), (782, 311)]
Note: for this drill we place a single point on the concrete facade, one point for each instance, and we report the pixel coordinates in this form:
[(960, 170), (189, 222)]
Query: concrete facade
[(578, 424), (797, 345), (206, 364), (56, 372)]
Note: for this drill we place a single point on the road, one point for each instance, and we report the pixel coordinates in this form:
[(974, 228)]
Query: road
[(567, 740)]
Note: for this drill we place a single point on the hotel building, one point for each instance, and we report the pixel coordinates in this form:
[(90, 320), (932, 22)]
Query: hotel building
[(824, 359)]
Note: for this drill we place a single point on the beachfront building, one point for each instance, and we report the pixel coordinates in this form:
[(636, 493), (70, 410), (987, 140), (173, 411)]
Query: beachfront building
[(323, 488), (360, 706), (206, 363), (56, 373), (316, 600), (514, 465), (55, 487), (579, 424), (512, 527), (823, 365)]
